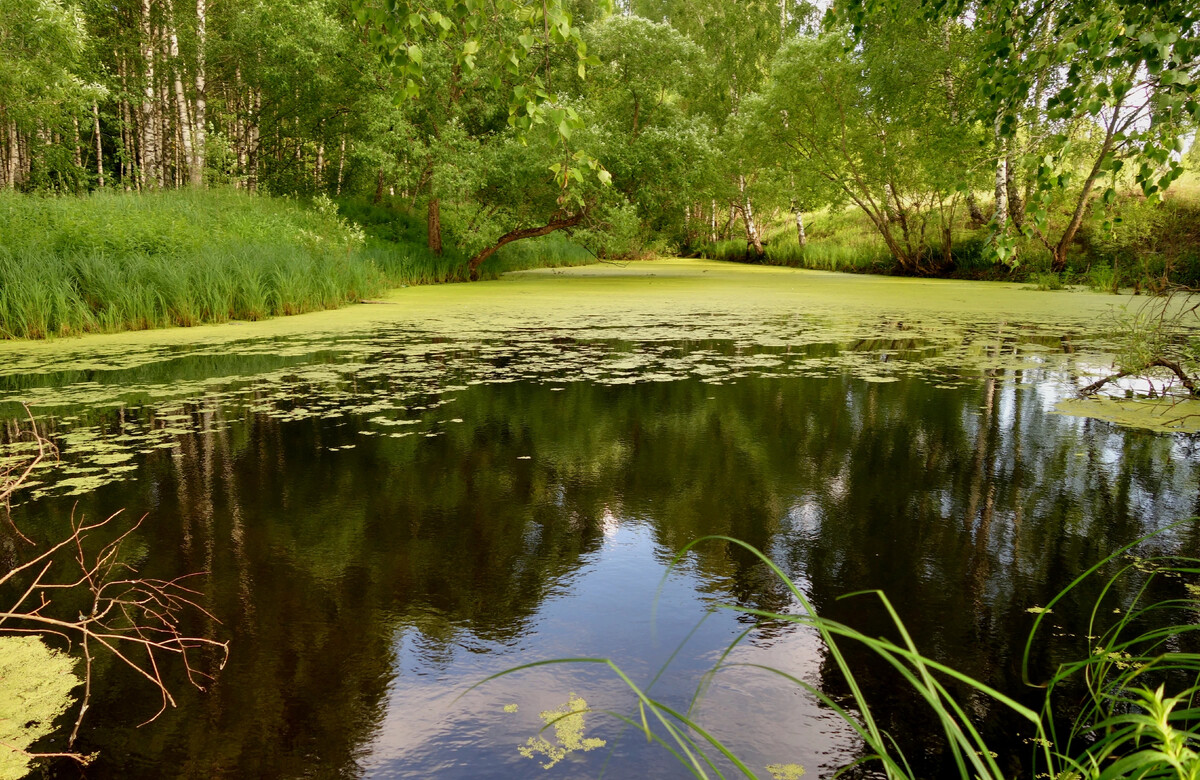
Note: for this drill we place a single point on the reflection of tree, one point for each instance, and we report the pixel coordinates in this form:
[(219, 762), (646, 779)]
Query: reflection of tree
[(965, 506)]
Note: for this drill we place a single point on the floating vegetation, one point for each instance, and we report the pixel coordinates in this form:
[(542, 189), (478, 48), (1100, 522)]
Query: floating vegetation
[(1165, 415), (389, 370), (568, 725)]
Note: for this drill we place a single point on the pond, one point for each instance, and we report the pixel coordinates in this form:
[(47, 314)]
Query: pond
[(395, 501)]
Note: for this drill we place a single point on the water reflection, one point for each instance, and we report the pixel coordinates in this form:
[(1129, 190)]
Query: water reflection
[(367, 580)]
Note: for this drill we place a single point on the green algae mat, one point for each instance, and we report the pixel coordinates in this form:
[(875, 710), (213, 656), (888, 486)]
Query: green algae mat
[(628, 323)]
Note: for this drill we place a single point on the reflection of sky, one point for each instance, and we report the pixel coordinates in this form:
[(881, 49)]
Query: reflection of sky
[(607, 608)]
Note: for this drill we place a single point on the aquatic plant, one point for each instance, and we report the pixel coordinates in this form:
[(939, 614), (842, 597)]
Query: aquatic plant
[(1141, 717), (1159, 338), (35, 690)]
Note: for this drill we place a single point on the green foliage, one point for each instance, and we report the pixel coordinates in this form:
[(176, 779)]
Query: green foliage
[(35, 689), (1047, 280), (827, 102)]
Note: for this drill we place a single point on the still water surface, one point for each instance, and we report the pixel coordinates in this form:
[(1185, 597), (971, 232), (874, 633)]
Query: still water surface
[(389, 515)]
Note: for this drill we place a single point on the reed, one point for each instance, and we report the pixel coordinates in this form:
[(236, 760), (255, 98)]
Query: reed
[(1141, 712), (114, 261)]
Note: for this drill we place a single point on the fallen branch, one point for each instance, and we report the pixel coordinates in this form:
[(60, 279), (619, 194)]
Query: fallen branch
[(137, 620)]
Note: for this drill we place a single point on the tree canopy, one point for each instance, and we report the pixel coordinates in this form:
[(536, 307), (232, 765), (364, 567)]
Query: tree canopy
[(640, 125)]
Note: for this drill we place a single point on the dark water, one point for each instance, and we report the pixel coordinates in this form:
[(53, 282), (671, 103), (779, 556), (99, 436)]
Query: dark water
[(367, 571)]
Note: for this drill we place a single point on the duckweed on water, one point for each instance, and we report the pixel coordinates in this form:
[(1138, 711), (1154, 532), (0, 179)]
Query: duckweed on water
[(568, 725), (388, 369)]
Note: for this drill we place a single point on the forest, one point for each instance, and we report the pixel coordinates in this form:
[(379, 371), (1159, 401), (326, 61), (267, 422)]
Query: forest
[(978, 140)]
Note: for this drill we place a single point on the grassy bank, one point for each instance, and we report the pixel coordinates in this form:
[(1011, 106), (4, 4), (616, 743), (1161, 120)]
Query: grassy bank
[(1143, 246), (115, 261)]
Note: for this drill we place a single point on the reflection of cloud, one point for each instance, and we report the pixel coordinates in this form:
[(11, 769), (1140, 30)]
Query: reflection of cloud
[(609, 524), (611, 608)]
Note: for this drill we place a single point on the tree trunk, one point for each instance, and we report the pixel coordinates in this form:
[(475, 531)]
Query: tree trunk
[(149, 172), (200, 137), (713, 222), (977, 215), (181, 102), (1058, 262), (14, 155), (1001, 188), (1016, 204), (341, 166), (162, 111), (517, 235), (435, 226), (800, 237), (752, 235), (378, 188), (99, 145), (78, 143), (253, 143)]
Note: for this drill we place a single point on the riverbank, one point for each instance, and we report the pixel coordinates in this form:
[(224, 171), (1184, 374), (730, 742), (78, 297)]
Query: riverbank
[(114, 262), (1134, 245)]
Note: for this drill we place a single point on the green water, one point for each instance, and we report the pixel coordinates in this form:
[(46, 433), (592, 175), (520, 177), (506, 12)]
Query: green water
[(393, 503)]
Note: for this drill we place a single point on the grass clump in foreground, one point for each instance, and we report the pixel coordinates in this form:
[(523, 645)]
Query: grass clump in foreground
[(1140, 712), (116, 261)]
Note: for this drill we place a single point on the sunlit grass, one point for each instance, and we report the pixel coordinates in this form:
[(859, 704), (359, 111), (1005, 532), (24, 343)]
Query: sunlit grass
[(115, 261)]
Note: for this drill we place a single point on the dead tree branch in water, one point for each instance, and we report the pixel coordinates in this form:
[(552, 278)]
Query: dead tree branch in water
[(1158, 336), (136, 620)]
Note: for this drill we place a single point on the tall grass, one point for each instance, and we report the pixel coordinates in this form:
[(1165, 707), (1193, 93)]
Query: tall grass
[(114, 261), (1141, 711)]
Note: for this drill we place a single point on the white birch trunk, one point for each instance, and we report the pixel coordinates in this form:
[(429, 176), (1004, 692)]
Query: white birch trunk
[(341, 166), (748, 213), (14, 154), (99, 145), (78, 143), (149, 172), (200, 136), (1001, 218), (252, 144), (181, 102)]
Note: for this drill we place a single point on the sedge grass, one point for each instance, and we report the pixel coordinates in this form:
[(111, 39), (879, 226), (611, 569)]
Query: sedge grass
[(1141, 717), (114, 261)]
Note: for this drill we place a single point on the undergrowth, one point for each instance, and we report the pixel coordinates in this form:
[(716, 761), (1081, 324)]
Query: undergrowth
[(115, 261), (1132, 245)]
